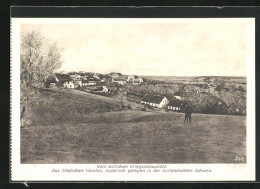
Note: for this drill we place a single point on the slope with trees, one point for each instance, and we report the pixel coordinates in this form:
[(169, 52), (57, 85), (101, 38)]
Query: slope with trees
[(39, 58)]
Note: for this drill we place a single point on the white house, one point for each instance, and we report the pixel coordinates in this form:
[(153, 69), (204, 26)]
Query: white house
[(155, 101), (61, 78), (69, 84)]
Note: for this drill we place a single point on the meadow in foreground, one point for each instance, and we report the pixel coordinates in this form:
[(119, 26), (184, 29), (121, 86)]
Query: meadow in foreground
[(137, 137)]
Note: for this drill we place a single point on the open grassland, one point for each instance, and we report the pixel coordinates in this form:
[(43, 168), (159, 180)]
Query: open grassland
[(97, 136), (65, 106)]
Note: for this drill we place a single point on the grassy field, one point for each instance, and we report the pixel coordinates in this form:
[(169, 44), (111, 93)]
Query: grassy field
[(63, 106), (128, 136)]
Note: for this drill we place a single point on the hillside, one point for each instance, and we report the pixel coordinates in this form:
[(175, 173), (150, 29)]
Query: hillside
[(71, 126), (58, 106)]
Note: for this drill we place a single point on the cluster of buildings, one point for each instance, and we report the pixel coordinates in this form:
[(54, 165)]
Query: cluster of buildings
[(180, 99), (95, 81), (123, 79)]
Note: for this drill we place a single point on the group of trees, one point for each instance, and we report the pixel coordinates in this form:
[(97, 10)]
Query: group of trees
[(143, 89), (236, 101), (207, 104), (38, 59)]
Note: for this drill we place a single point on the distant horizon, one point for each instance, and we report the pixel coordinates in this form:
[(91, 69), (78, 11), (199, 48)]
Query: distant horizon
[(158, 75)]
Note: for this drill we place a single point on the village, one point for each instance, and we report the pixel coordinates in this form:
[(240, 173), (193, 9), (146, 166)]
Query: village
[(92, 82), (202, 95)]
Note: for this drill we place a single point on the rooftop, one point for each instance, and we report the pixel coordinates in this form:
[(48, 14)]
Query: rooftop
[(153, 98), (175, 102), (63, 77)]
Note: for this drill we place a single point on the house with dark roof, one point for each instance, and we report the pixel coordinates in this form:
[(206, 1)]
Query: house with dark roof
[(64, 80), (61, 78), (155, 101), (174, 105), (182, 95)]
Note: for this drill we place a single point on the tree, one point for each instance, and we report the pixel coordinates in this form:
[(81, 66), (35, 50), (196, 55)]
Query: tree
[(38, 59)]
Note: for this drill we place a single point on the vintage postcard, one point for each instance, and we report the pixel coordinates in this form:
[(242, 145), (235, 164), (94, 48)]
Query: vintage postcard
[(144, 99)]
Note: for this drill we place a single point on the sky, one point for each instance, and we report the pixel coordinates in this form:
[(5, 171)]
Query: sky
[(162, 49)]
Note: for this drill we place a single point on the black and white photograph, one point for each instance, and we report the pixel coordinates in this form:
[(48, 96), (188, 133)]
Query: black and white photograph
[(134, 91)]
